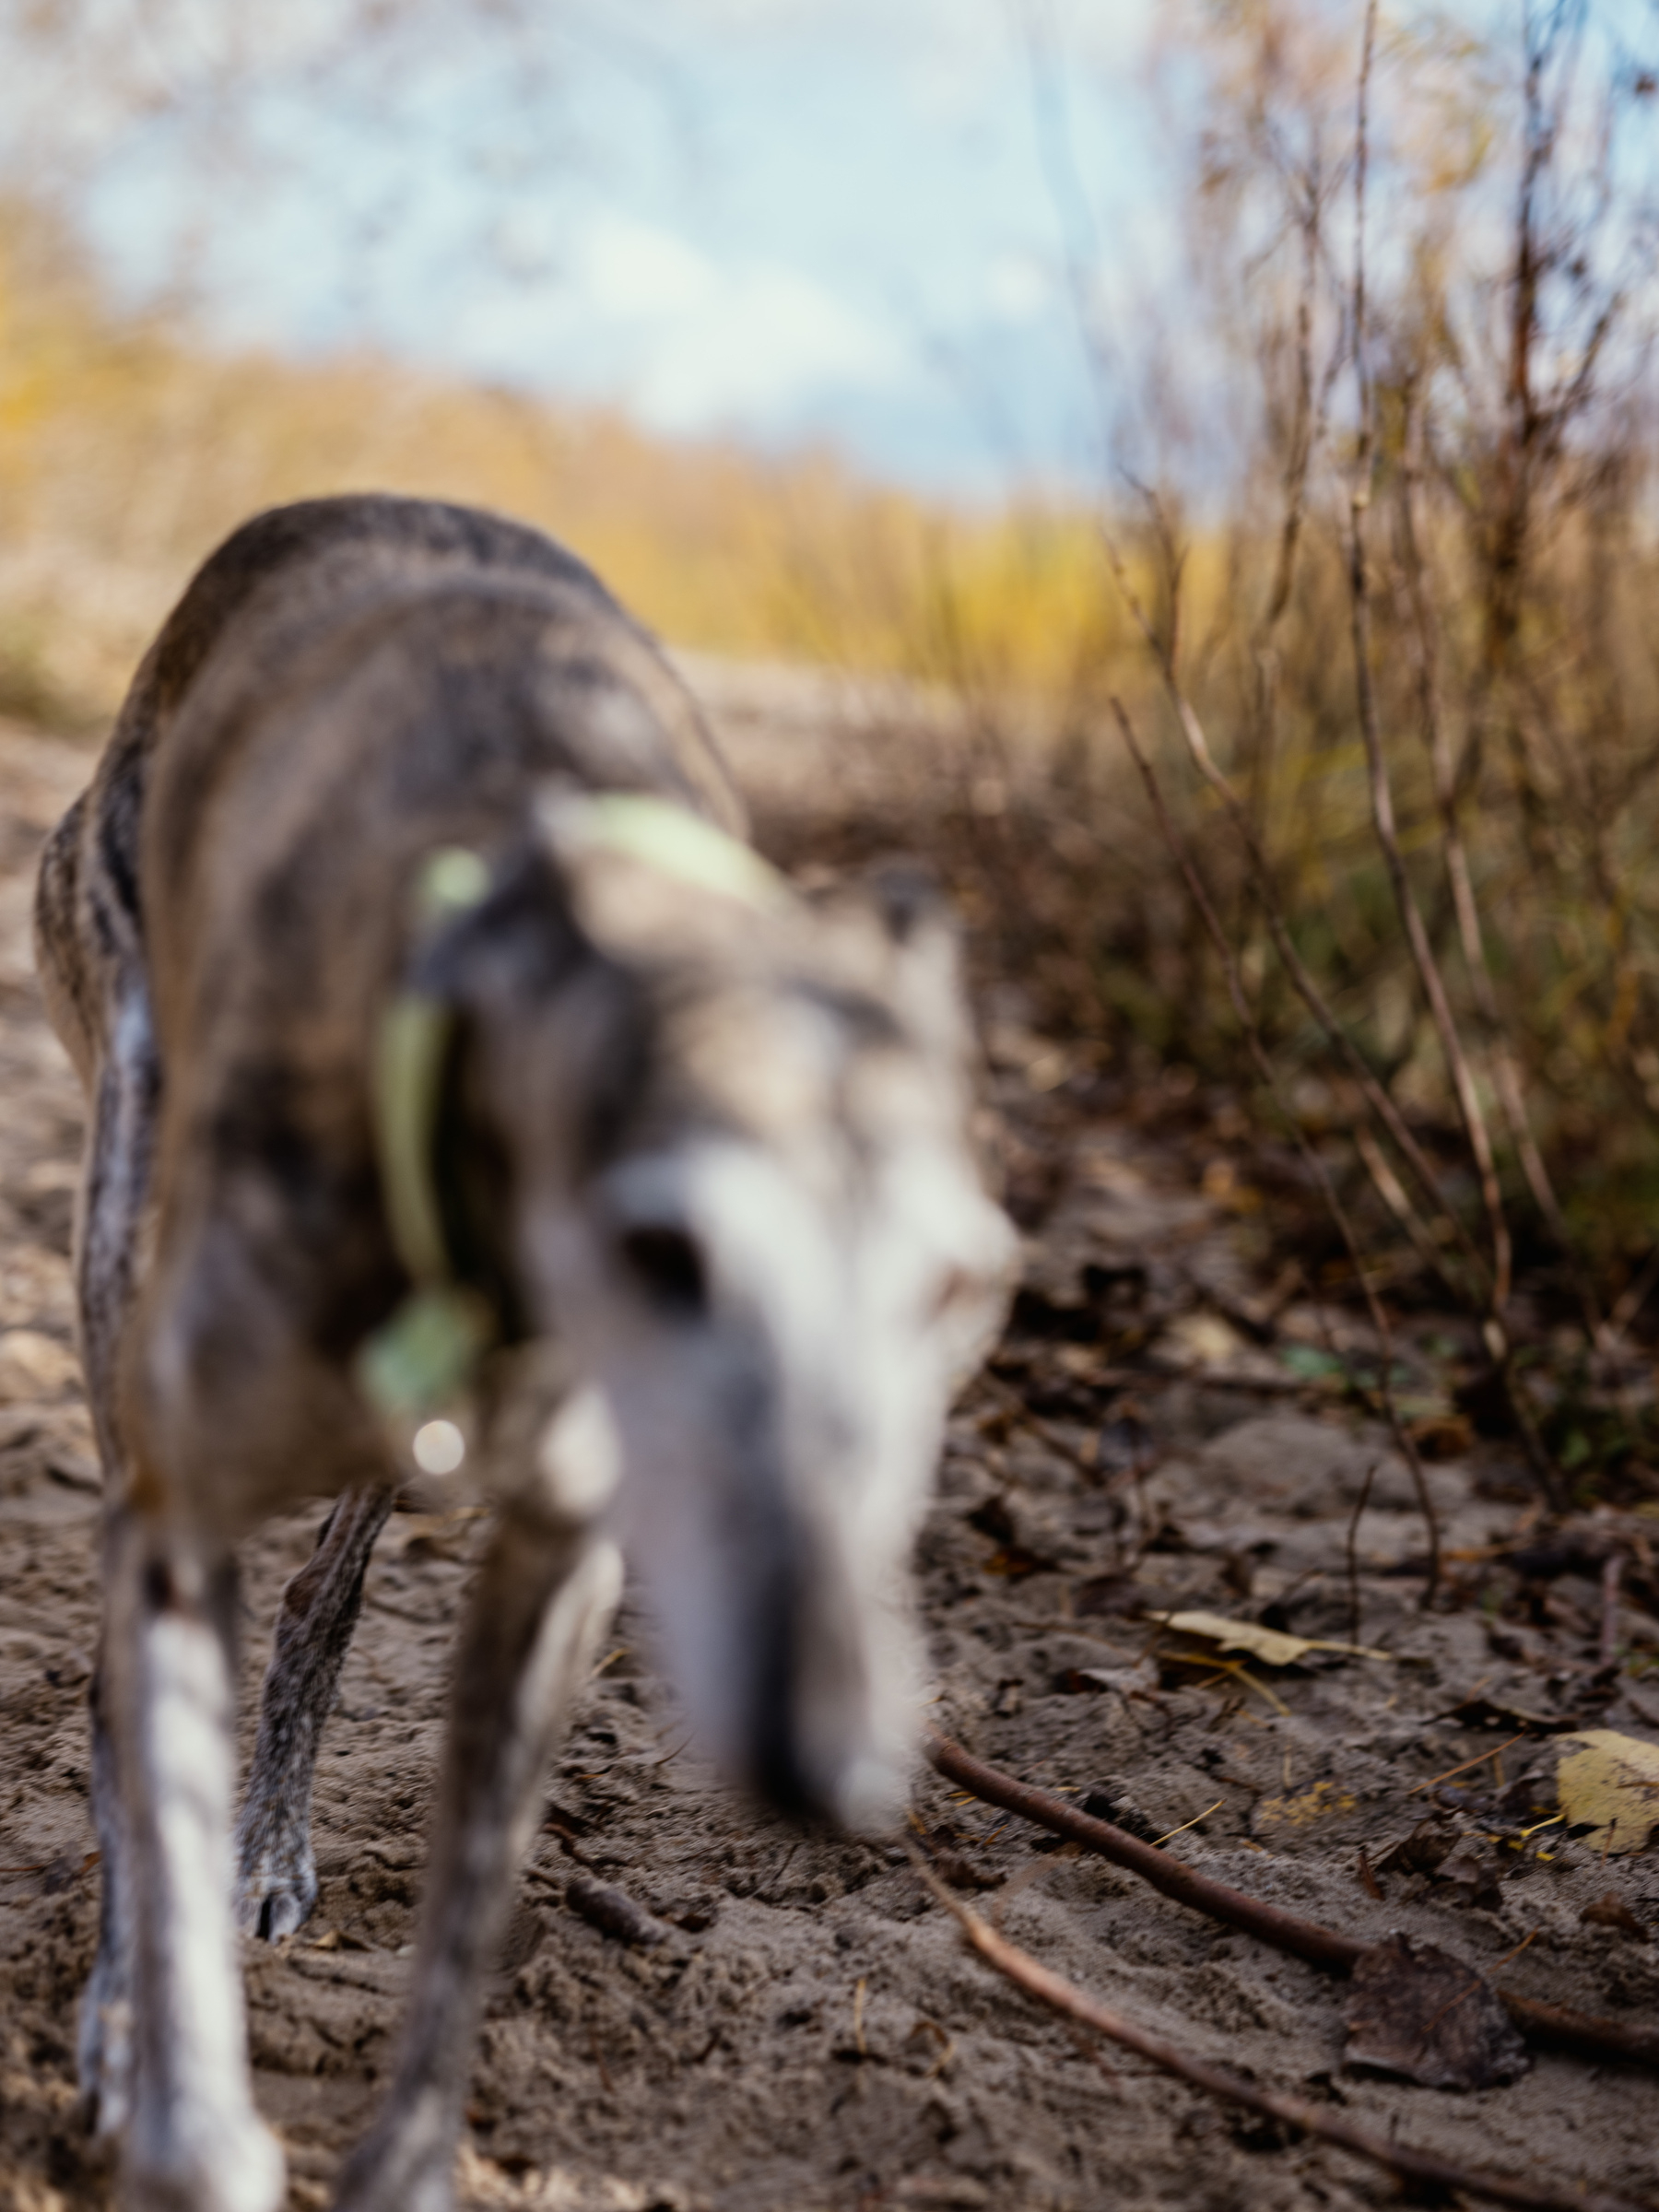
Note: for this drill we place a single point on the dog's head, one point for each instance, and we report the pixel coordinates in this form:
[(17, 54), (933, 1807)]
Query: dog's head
[(746, 1198)]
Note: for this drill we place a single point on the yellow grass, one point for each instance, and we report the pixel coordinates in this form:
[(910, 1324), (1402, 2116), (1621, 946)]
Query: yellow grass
[(126, 452)]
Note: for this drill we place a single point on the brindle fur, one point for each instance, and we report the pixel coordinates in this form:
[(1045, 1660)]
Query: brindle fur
[(221, 920)]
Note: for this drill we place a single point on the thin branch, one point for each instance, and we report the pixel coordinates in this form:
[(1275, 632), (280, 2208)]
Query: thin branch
[(1581, 2033), (1397, 2159), (1394, 1196), (1375, 1096), (1612, 1570), (1322, 1947), (1494, 1329), (1506, 1075), (1306, 428), (1382, 792), (1311, 1155)]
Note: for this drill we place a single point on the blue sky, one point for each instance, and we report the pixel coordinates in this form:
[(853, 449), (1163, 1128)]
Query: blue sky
[(789, 220)]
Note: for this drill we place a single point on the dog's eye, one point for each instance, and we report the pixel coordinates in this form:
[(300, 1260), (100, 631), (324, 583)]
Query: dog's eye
[(668, 1267), (958, 1293)]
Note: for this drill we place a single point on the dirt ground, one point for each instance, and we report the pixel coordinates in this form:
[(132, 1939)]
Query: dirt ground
[(811, 2032)]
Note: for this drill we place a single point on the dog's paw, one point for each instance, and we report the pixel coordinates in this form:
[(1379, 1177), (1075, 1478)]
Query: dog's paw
[(230, 2165), (275, 1893), (400, 2168)]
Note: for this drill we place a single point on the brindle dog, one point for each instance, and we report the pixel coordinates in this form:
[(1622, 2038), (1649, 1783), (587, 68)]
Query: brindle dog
[(676, 1168)]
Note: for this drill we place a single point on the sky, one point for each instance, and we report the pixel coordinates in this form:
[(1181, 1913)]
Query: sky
[(789, 221)]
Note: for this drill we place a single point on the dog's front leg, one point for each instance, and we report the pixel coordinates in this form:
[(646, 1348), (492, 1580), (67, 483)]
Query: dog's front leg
[(543, 1598), (193, 2141), (276, 1875)]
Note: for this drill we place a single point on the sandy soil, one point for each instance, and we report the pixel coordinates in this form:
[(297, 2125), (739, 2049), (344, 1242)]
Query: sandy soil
[(811, 2032)]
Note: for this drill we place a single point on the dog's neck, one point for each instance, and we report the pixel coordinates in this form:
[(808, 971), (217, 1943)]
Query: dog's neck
[(444, 1150)]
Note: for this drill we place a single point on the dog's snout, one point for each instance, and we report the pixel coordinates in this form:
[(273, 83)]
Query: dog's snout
[(862, 1797), (781, 1777), (776, 1764), (812, 1754)]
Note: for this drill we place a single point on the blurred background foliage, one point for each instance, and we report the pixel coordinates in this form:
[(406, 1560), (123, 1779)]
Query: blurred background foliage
[(128, 452)]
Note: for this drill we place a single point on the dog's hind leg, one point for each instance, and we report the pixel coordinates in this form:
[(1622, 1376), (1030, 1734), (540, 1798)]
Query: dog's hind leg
[(162, 2045), (116, 1185), (193, 2141), (543, 1595), (103, 2043), (276, 1877)]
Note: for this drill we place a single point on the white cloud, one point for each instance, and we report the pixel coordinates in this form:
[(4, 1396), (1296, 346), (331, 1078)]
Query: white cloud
[(687, 343), (1017, 289), (636, 271)]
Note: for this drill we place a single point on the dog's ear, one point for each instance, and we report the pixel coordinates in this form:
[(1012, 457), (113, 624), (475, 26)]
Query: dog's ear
[(908, 927), (544, 1030), (650, 880), (515, 943)]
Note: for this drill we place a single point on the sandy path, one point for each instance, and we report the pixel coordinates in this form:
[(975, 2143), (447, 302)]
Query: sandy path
[(813, 2035)]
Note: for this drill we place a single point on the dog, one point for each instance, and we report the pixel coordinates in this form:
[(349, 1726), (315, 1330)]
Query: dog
[(461, 1082)]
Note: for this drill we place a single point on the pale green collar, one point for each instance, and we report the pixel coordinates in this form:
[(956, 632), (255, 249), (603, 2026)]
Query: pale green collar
[(663, 836)]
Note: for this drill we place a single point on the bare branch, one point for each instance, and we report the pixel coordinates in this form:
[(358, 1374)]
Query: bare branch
[(1506, 1073), (1397, 2159), (1581, 2033), (1382, 792), (1375, 1096), (1309, 1152)]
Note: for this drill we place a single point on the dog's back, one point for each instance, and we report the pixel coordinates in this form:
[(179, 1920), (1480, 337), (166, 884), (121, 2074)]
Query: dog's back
[(346, 685), (284, 605)]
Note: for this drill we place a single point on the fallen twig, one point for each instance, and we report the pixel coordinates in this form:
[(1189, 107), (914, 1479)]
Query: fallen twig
[(614, 1913), (1583, 2033), (1398, 2159), (46, 1866), (1320, 1947), (1480, 1760)]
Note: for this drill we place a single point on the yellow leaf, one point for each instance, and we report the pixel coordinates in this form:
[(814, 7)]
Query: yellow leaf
[(1272, 1646), (1612, 1780)]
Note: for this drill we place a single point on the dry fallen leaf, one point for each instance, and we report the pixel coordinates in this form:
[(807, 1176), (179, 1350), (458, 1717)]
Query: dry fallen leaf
[(1611, 1912), (1128, 1681), (1474, 1880), (1272, 1646), (1610, 1783), (614, 1913), (1429, 1842), (1419, 2012)]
